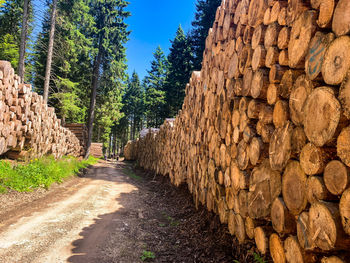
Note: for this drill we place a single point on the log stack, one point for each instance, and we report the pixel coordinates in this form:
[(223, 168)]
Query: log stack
[(81, 132), (263, 136), (29, 128)]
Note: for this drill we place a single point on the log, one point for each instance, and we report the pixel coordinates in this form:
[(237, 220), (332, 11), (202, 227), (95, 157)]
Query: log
[(272, 93), (256, 12), (272, 56), (271, 35), (344, 96), (258, 36), (259, 84), (326, 230), (332, 259), (298, 140), (312, 159), (280, 114), (336, 61), (344, 207), (300, 92), (336, 177), (280, 147), (261, 238), (294, 253), (294, 188), (302, 31), (283, 57), (326, 8), (288, 79), (316, 190), (249, 227), (341, 20), (303, 231), (283, 38), (258, 59), (231, 222), (240, 229), (264, 187), (255, 151), (283, 221), (343, 146), (321, 116), (276, 249)]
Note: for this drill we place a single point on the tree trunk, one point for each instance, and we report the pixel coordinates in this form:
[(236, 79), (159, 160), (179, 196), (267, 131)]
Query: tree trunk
[(50, 51), (94, 83), (22, 49)]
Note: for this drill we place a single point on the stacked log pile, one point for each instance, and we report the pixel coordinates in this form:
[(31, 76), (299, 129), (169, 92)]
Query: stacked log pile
[(80, 131), (263, 137), (28, 127), (96, 149)]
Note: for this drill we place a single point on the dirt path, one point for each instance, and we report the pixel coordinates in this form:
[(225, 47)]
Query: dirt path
[(113, 215)]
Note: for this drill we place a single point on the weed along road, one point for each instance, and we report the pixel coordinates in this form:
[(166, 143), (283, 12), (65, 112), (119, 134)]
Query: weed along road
[(74, 222)]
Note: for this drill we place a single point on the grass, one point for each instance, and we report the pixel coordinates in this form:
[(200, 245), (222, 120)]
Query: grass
[(131, 174), (147, 255), (39, 173), (171, 220)]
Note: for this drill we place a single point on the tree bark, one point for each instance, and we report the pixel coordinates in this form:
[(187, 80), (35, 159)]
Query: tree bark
[(50, 51), (22, 49)]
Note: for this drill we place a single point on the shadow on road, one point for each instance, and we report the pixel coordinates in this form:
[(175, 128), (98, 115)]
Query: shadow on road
[(161, 219)]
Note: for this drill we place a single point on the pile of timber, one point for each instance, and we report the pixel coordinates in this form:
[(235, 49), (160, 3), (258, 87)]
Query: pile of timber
[(96, 149), (263, 137), (28, 127), (80, 131)]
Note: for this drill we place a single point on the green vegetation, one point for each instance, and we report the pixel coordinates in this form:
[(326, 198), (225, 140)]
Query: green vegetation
[(147, 255), (258, 258), (171, 220), (39, 172)]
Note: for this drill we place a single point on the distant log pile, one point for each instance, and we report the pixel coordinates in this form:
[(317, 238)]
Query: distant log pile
[(28, 127), (263, 137), (80, 131)]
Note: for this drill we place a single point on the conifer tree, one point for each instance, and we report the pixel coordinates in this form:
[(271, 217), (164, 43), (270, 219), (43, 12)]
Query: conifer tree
[(179, 71), (154, 89), (204, 18)]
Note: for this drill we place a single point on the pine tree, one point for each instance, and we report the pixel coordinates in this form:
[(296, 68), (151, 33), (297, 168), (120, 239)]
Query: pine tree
[(179, 71), (154, 89), (204, 18)]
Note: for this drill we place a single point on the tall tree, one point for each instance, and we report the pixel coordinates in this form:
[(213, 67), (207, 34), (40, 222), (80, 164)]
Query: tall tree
[(22, 49), (179, 71), (12, 19), (154, 89), (110, 36), (133, 104), (50, 50), (203, 21)]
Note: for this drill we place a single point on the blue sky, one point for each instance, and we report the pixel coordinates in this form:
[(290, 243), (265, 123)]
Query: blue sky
[(153, 23)]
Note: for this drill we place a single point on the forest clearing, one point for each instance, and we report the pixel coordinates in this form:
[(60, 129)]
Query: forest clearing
[(236, 140)]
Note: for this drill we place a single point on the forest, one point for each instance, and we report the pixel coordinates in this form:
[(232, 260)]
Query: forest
[(78, 63)]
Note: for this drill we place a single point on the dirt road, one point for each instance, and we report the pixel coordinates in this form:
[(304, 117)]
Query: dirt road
[(112, 215)]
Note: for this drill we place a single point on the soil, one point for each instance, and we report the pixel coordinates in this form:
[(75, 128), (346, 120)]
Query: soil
[(114, 213)]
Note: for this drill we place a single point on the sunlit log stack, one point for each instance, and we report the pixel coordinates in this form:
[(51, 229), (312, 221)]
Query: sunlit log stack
[(263, 137), (28, 127)]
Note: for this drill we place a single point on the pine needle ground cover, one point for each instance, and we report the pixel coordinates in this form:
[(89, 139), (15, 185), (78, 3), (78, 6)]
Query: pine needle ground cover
[(37, 173)]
